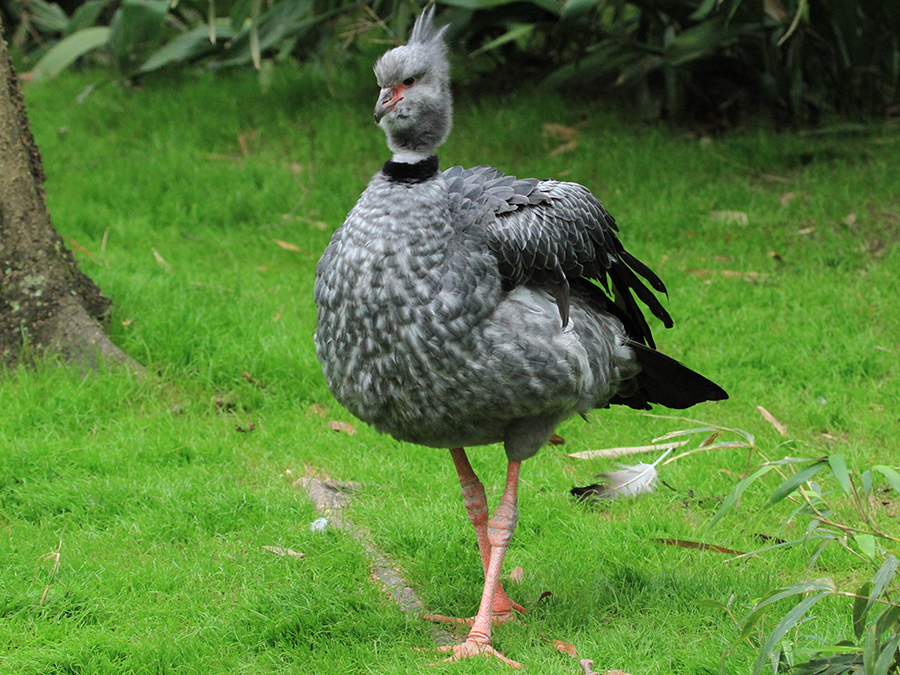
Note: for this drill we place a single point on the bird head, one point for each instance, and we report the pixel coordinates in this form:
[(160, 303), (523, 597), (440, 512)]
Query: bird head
[(415, 107)]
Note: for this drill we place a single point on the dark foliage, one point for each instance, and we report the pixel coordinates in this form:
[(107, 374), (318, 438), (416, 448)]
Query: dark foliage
[(713, 62)]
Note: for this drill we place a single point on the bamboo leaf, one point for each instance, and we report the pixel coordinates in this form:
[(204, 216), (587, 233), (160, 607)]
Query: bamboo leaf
[(574, 8), (789, 621), (887, 620), (684, 432), (882, 578), (867, 482), (866, 543), (735, 494), (869, 645), (704, 10), (709, 602), (67, 51), (796, 460), (795, 481), (839, 469), (860, 607), (886, 658), (892, 476), (516, 32), (825, 585)]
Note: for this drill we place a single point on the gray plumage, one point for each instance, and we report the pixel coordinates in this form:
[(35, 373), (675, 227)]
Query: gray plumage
[(457, 308)]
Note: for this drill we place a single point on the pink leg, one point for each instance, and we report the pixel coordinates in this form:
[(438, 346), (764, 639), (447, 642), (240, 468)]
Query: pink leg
[(499, 532), (475, 502)]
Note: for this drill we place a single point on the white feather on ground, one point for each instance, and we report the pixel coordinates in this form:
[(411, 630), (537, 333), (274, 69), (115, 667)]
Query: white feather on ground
[(628, 481)]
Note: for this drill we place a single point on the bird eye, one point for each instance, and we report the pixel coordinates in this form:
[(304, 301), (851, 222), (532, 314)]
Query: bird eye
[(409, 81)]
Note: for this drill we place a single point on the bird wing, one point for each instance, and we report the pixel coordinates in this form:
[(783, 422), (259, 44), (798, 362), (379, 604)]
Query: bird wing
[(551, 233)]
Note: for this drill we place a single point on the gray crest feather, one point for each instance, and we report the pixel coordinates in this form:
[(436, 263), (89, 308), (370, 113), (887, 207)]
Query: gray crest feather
[(424, 33)]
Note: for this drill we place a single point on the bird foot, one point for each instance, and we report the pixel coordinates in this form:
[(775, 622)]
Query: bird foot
[(471, 648), (498, 617), (504, 611)]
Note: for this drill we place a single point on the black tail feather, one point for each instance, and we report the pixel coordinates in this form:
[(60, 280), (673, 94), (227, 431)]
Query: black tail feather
[(665, 381)]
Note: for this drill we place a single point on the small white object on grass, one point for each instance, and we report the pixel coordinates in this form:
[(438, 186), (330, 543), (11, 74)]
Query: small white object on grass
[(318, 525), (628, 481)]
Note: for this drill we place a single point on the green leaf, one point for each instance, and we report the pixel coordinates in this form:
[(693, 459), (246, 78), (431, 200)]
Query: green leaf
[(867, 482), (239, 14), (860, 607), (137, 28), (67, 51), (866, 543), (49, 18), (640, 68), (698, 42), (187, 46), (286, 20), (789, 621), (886, 658), (891, 474), (735, 494), (704, 10), (796, 460), (839, 469), (85, 16), (551, 6), (825, 584), (887, 620), (517, 31), (870, 644), (882, 578), (574, 8), (795, 481)]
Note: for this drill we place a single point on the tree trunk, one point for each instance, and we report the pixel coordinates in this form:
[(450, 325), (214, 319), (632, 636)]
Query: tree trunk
[(46, 303)]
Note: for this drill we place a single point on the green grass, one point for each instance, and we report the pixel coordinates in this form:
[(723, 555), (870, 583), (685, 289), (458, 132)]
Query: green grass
[(163, 507)]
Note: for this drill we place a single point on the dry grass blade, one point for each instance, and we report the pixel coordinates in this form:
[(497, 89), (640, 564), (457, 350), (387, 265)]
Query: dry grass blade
[(612, 453), (55, 555), (699, 546), (770, 418), (286, 245), (74, 244), (284, 552), (162, 261), (704, 448)]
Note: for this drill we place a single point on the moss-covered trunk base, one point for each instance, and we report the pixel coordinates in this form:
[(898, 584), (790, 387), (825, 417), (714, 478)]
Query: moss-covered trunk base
[(46, 303)]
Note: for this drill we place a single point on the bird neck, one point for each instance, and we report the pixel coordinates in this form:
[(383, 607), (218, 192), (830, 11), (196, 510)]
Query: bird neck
[(411, 156), (425, 168)]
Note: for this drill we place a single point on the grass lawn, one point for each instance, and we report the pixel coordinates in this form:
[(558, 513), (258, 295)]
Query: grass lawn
[(201, 203)]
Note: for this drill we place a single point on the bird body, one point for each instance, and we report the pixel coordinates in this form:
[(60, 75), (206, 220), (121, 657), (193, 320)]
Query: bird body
[(469, 307), (419, 337)]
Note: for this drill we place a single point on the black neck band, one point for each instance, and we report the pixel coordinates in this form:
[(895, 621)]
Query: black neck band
[(399, 172)]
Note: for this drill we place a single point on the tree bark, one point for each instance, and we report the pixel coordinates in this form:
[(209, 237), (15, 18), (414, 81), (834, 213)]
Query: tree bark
[(46, 303)]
